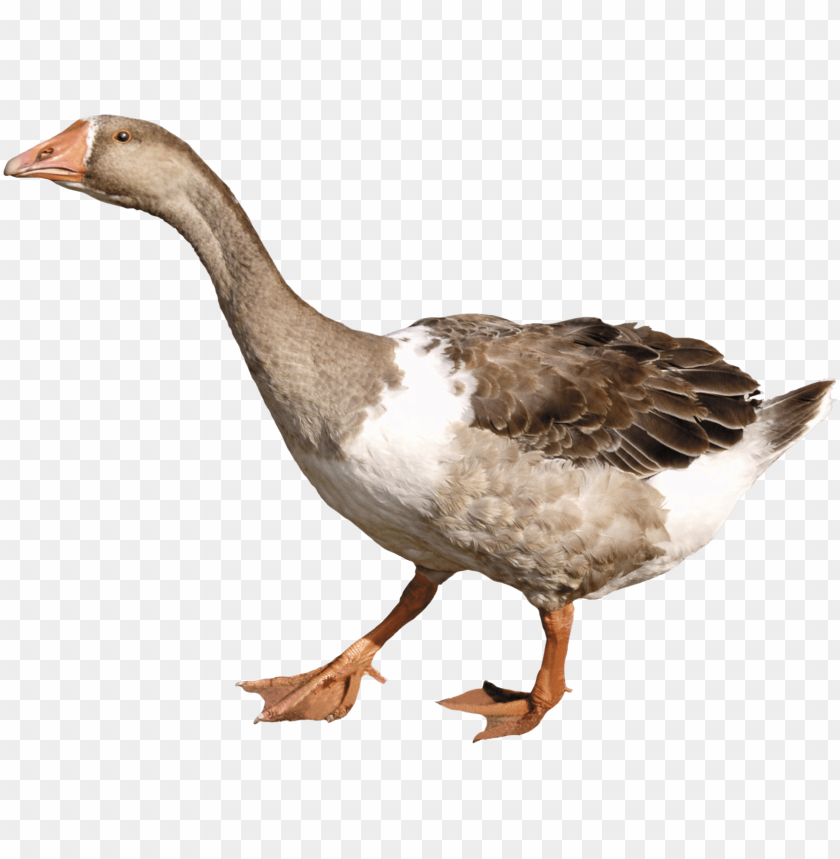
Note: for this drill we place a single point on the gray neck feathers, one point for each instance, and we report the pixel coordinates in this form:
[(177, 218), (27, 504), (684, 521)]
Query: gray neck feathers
[(315, 375), (210, 218)]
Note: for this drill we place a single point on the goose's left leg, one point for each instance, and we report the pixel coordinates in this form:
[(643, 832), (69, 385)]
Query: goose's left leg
[(509, 712), (329, 692)]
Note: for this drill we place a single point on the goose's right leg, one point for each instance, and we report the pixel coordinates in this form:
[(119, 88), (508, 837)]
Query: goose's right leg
[(510, 713), (330, 692)]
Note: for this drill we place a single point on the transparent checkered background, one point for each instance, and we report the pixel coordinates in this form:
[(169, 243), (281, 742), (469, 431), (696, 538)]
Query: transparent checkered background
[(634, 162)]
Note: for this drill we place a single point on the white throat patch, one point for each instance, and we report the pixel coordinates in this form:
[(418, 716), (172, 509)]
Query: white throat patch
[(93, 126)]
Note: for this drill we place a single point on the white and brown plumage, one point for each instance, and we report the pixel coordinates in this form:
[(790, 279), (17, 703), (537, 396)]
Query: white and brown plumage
[(567, 460)]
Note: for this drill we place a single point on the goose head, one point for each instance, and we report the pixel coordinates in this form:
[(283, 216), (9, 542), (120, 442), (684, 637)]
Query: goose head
[(122, 161)]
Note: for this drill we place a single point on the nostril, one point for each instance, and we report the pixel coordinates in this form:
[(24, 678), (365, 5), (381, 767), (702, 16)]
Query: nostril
[(46, 151)]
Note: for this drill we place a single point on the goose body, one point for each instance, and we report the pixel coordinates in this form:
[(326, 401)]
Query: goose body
[(567, 460), (424, 481)]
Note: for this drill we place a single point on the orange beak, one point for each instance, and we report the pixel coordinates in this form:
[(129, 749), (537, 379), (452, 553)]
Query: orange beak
[(61, 158)]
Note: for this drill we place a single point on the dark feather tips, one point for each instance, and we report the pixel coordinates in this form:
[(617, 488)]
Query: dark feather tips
[(582, 389)]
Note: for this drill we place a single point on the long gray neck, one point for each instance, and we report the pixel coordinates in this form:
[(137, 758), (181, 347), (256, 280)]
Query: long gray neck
[(313, 373), (212, 221)]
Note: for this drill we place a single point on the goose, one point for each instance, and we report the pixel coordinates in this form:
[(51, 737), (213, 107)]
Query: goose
[(567, 459)]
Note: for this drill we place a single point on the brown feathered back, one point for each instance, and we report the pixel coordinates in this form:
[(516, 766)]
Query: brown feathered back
[(583, 390)]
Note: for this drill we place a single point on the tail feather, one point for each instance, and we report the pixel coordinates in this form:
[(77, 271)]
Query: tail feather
[(785, 419), (699, 498)]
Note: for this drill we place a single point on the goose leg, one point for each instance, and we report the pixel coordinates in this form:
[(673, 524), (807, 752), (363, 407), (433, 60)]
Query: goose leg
[(508, 712), (330, 692)]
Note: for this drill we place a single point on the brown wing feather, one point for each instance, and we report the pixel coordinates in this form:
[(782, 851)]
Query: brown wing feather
[(584, 390)]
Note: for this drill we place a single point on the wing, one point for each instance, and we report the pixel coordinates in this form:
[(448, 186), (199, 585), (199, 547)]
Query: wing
[(584, 390)]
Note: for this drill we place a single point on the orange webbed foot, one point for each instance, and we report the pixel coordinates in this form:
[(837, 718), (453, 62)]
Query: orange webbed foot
[(330, 692), (508, 713), (327, 693)]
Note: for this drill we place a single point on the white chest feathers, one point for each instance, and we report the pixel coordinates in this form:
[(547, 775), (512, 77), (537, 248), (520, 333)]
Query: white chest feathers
[(407, 433), (393, 468)]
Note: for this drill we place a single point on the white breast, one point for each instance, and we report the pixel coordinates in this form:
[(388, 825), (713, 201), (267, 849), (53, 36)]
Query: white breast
[(393, 468)]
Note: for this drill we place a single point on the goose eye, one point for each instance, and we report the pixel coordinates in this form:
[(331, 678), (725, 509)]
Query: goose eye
[(122, 136)]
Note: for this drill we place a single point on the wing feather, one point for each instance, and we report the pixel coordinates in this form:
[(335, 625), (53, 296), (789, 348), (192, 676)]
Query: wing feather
[(584, 390)]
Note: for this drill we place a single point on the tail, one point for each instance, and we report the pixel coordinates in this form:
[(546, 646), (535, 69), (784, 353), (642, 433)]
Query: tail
[(700, 497), (782, 421)]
